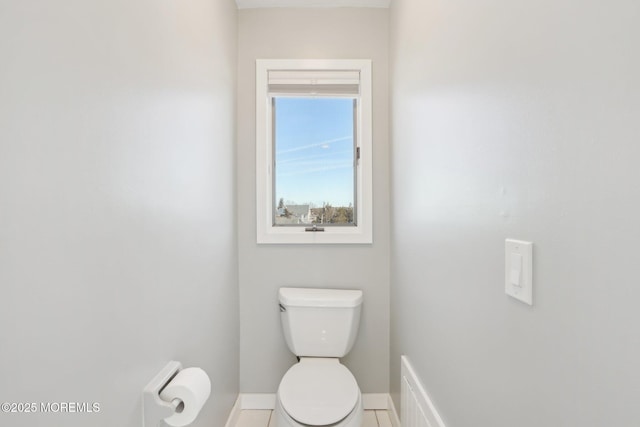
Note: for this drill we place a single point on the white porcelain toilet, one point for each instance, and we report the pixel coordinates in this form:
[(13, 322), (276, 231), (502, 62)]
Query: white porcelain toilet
[(320, 326)]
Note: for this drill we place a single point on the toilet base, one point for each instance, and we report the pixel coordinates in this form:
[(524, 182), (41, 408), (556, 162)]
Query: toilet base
[(354, 419)]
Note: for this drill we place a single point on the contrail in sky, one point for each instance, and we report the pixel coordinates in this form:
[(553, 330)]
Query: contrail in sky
[(317, 144)]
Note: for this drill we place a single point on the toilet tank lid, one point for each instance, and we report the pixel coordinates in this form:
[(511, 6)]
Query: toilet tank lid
[(311, 297)]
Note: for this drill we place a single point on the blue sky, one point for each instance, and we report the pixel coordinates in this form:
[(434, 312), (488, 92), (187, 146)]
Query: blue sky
[(314, 150)]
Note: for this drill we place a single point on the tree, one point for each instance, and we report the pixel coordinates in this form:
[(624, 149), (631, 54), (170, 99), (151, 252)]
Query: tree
[(341, 215), (328, 212)]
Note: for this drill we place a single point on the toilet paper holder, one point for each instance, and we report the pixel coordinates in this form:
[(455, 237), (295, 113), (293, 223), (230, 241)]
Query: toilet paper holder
[(155, 409)]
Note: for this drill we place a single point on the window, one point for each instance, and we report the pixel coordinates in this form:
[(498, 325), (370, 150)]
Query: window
[(313, 146)]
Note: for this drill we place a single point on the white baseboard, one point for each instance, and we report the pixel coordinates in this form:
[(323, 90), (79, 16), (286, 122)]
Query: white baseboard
[(375, 401), (393, 414), (258, 400), (234, 414), (370, 401)]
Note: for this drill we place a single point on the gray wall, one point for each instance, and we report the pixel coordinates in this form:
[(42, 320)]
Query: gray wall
[(264, 356), (117, 229), (521, 120)]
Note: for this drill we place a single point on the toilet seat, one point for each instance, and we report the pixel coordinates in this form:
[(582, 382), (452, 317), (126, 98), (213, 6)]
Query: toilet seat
[(318, 391)]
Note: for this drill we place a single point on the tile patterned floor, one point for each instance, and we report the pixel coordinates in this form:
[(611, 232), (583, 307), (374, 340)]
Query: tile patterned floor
[(264, 418)]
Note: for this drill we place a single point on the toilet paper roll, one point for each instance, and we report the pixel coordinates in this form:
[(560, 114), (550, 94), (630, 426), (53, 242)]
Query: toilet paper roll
[(192, 387)]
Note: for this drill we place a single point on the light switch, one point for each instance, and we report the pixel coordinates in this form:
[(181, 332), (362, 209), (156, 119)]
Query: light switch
[(519, 270), (516, 269)]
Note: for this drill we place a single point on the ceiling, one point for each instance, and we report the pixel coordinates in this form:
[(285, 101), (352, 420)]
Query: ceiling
[(250, 4)]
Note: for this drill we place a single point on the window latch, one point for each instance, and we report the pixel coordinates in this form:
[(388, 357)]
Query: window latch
[(314, 228)]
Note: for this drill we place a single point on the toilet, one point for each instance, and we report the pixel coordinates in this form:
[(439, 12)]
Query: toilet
[(320, 326)]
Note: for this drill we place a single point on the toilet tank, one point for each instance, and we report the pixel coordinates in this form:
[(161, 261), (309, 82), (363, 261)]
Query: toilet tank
[(320, 322)]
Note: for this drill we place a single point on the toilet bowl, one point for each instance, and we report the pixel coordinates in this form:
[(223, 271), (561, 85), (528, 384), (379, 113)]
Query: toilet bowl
[(318, 392), (320, 326)]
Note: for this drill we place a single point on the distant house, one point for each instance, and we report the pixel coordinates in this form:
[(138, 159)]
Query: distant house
[(300, 214)]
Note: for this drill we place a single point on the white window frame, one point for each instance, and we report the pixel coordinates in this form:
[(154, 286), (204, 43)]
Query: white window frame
[(267, 233)]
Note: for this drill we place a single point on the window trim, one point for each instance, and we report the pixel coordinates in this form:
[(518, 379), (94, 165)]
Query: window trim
[(267, 233)]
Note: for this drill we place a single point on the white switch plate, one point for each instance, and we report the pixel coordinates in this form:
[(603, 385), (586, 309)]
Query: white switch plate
[(514, 273)]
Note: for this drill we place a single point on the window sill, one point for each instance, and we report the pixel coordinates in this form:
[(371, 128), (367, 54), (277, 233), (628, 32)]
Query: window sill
[(298, 235)]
